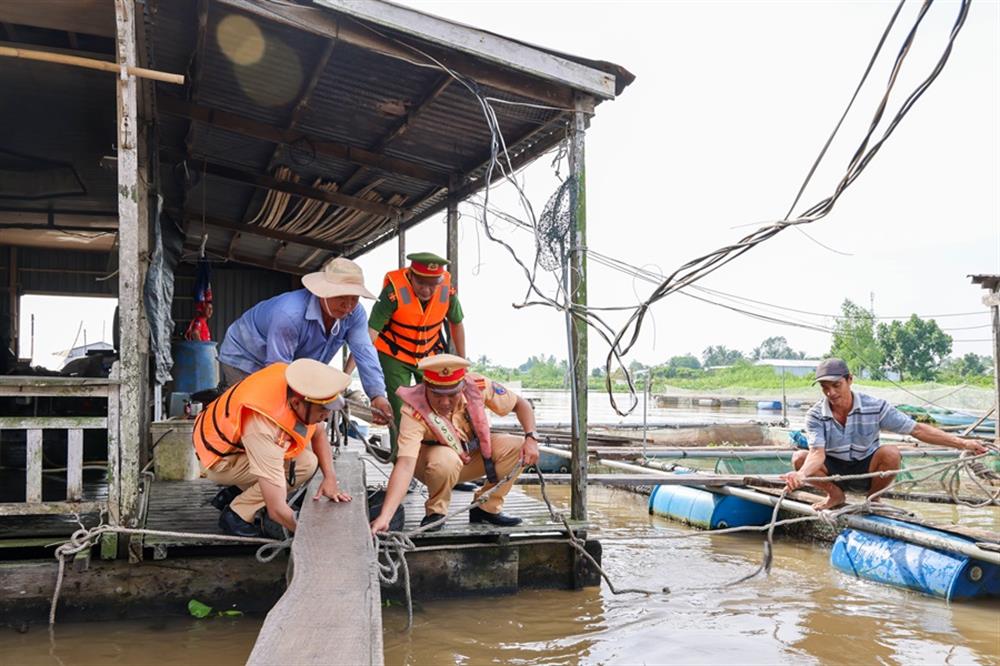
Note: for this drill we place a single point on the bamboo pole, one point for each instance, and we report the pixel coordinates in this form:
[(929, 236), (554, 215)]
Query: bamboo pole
[(90, 63)]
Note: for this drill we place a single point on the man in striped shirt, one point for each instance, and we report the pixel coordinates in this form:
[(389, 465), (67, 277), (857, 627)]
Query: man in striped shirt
[(843, 433)]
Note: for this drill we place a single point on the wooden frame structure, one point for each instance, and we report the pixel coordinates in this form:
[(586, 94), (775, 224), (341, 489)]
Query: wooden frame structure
[(344, 124)]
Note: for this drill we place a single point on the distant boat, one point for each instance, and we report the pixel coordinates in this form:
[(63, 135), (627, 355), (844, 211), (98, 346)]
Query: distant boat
[(949, 418), (769, 405)]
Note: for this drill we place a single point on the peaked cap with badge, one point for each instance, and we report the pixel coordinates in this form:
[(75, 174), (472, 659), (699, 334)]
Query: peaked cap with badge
[(317, 382), (444, 373), (427, 264)]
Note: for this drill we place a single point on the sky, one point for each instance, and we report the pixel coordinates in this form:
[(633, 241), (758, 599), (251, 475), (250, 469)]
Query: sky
[(731, 104)]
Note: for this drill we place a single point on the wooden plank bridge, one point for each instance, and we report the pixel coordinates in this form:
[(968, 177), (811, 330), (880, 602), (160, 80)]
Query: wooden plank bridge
[(332, 609)]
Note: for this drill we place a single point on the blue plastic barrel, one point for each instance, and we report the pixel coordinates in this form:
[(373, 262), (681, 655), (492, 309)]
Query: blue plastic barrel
[(704, 509), (949, 575), (196, 366), (550, 463)]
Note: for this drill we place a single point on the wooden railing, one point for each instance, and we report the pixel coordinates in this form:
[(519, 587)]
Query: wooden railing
[(64, 387)]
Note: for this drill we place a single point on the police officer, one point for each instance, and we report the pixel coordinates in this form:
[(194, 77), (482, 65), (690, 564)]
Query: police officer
[(444, 438), (407, 323), (265, 436)]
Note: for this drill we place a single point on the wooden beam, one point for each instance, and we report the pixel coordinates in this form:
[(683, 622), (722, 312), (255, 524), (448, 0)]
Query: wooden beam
[(289, 187), (325, 23), (50, 508), (255, 230), (89, 17), (257, 130), (53, 423), (402, 127), (267, 265)]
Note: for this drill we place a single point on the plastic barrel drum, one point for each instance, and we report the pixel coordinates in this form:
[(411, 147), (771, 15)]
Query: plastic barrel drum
[(196, 366), (550, 463), (951, 576), (704, 509)]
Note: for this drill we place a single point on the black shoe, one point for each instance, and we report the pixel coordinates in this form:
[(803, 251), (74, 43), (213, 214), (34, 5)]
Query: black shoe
[(269, 528), (232, 524), (477, 515), (224, 497), (430, 518), (466, 487)]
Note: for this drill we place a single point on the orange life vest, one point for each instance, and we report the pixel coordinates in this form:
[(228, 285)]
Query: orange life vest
[(414, 332), (219, 427)]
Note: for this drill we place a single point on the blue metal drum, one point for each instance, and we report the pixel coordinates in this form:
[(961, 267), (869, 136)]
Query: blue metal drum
[(196, 366), (704, 509), (951, 576)]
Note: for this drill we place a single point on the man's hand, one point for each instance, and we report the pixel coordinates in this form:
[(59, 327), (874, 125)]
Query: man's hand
[(974, 446), (380, 524), (381, 410), (529, 453), (331, 490), (793, 480)]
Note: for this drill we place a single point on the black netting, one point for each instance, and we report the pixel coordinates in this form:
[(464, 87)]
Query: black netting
[(552, 237)]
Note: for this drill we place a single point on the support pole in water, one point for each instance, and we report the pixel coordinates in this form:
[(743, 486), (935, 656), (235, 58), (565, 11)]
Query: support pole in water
[(576, 324), (992, 301)]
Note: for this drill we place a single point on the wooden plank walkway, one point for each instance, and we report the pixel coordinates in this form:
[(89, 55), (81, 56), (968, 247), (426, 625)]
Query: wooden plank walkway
[(331, 611), (534, 512)]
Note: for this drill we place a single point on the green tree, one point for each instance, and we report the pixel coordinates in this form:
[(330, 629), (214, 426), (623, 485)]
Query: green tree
[(685, 361), (854, 340), (776, 347), (914, 348), (974, 365), (720, 355)]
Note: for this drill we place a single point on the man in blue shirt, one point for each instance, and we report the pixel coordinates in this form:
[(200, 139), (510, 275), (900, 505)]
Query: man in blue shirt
[(313, 322), (843, 433)]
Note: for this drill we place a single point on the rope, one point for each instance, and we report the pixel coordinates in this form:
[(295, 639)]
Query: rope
[(391, 546), (85, 538)]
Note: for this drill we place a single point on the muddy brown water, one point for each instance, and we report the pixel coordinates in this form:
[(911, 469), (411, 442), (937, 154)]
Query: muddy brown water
[(804, 612)]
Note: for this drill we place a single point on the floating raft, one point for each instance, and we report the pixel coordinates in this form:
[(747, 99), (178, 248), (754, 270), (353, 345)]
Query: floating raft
[(938, 573), (938, 562)]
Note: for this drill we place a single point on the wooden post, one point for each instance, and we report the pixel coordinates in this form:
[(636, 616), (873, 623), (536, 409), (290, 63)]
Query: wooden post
[(453, 231), (577, 329), (13, 308), (130, 241), (994, 302), (401, 247), (109, 540)]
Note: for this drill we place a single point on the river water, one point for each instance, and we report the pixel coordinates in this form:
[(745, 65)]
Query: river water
[(804, 612)]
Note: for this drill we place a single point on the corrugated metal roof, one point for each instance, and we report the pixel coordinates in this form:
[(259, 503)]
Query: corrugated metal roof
[(262, 69)]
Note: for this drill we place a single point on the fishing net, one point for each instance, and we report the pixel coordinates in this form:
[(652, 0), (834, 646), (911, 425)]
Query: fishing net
[(552, 235)]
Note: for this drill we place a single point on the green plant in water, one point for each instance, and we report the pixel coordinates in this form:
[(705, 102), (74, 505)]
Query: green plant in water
[(199, 610)]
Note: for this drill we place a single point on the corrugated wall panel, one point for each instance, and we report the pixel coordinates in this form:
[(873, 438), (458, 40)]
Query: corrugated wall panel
[(44, 271), (234, 291)]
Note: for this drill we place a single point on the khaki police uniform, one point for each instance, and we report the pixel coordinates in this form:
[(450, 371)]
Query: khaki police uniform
[(265, 445), (439, 467)]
